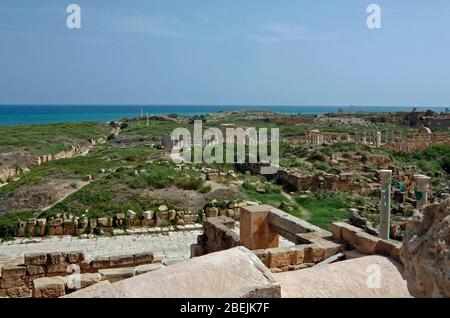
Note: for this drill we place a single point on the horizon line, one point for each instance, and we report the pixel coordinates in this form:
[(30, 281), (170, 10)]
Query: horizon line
[(215, 105)]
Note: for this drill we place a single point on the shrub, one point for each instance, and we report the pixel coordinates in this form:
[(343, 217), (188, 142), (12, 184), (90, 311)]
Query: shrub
[(9, 223), (316, 156)]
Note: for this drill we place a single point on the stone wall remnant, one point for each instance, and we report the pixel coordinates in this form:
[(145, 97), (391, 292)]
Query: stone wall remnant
[(425, 252)]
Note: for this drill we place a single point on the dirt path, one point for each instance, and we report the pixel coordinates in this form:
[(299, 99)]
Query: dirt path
[(80, 185)]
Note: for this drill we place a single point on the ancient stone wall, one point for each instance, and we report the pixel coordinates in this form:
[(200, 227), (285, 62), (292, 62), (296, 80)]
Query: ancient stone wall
[(234, 273), (75, 150), (16, 281), (312, 248), (71, 225), (420, 140), (218, 235), (294, 181), (356, 238)]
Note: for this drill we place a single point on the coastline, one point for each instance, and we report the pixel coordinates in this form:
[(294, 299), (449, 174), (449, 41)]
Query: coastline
[(12, 115)]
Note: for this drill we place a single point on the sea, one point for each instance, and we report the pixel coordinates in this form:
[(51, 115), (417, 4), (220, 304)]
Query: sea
[(43, 114)]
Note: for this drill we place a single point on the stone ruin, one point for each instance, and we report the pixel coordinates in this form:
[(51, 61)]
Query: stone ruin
[(420, 139), (161, 220), (316, 137), (252, 264), (426, 253), (50, 275)]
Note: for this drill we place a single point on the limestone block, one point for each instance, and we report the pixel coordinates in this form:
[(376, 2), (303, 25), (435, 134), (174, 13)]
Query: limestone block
[(233, 273), (314, 253), (35, 269), (116, 274), (143, 258), (131, 214), (120, 216), (348, 232), (389, 248), (255, 230), (22, 229), (30, 278), (13, 271), (35, 259), (56, 230), (85, 267), (284, 256), (49, 287), (121, 260), (56, 258), (366, 243), (148, 215), (31, 227), (56, 222), (308, 238), (345, 279), (53, 269), (163, 208), (330, 248), (104, 222), (74, 257), (162, 219), (41, 225), (211, 212), (196, 250), (19, 292), (336, 231), (13, 281), (135, 222), (100, 262), (69, 227)]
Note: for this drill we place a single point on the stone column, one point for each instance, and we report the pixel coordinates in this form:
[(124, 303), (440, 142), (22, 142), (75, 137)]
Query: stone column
[(378, 145), (255, 230), (385, 203), (422, 185)]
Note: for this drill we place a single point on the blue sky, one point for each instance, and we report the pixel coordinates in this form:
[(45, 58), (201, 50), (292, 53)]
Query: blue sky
[(244, 52)]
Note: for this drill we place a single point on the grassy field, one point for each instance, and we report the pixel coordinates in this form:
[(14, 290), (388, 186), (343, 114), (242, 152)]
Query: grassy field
[(326, 207), (120, 191), (50, 138)]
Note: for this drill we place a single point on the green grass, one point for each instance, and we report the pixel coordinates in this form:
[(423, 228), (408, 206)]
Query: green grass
[(433, 162), (101, 157), (50, 138), (326, 207), (273, 195), (10, 222), (117, 192)]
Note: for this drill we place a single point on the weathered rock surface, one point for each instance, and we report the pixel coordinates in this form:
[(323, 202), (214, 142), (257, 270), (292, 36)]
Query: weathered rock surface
[(236, 272), (425, 252), (345, 279)]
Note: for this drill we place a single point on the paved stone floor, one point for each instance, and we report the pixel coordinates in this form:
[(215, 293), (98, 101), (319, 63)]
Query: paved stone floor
[(171, 246)]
